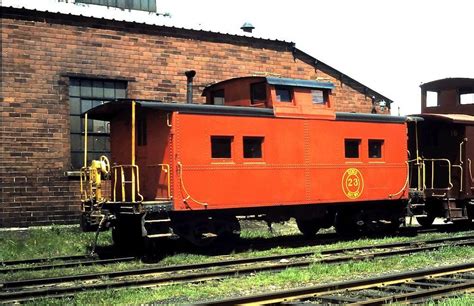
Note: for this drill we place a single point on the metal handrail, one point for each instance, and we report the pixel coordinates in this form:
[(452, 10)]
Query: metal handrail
[(166, 169), (135, 182), (433, 160)]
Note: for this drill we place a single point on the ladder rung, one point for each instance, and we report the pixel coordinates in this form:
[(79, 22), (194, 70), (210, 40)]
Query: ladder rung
[(160, 235), (158, 221)]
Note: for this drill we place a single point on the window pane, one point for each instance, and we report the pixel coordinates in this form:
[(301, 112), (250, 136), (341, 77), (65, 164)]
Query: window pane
[(86, 105), (221, 146), (109, 90), (99, 126), (152, 5), (75, 124), (258, 93), (352, 148), (77, 160), (218, 97), (86, 88), (76, 142), (99, 143), (318, 96), (135, 4), (253, 147), (120, 90), (97, 89), (74, 87), (121, 4), (467, 98), (144, 5), (375, 148), (75, 106), (283, 94), (431, 98)]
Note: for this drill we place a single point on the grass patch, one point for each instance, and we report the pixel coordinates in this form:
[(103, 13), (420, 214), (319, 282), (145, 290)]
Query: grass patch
[(47, 242), (264, 282)]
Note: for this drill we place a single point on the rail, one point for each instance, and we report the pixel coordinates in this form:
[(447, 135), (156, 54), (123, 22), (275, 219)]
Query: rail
[(134, 182), (433, 162), (166, 169)]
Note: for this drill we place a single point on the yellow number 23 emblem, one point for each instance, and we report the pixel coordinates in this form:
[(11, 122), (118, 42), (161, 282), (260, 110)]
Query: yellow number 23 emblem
[(352, 183)]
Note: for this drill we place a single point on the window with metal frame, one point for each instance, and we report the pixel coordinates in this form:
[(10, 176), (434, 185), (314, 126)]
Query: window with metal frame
[(375, 148), (83, 95), (221, 146), (319, 96), (351, 148), (253, 147), (141, 5), (218, 97), (283, 94)]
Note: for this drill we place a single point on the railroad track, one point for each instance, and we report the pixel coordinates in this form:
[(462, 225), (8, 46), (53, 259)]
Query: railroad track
[(67, 262), (414, 287), (30, 289)]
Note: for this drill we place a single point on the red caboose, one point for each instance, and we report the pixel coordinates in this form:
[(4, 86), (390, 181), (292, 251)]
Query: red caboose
[(266, 147)]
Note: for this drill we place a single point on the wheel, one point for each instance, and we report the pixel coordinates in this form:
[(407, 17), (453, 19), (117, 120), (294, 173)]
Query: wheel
[(308, 227), (425, 221)]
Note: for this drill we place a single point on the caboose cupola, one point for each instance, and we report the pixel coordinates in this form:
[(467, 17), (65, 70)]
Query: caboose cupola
[(286, 96)]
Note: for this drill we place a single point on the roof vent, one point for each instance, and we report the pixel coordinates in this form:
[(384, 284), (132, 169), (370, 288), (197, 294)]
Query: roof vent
[(247, 27)]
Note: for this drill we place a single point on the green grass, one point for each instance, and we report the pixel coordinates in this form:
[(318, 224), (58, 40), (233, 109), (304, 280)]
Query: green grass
[(59, 241), (264, 282), (47, 242)]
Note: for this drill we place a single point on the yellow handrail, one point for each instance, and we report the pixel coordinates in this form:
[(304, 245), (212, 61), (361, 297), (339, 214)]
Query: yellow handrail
[(135, 183)]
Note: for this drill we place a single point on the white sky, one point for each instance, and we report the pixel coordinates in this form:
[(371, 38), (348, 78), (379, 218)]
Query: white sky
[(391, 46)]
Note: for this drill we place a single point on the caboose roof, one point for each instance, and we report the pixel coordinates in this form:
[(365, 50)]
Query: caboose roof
[(276, 81), (109, 110), (449, 83), (449, 118)]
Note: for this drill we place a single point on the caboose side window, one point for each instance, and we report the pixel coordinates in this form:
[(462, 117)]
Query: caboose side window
[(258, 93), (253, 147), (283, 94), (221, 146), (432, 99), (375, 148), (466, 97), (319, 96), (218, 97), (351, 147)]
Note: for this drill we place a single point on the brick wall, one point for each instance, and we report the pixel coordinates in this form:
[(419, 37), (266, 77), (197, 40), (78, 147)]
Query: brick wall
[(41, 51)]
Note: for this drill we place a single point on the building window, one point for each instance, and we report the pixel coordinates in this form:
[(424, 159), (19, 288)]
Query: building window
[(218, 97), (253, 147), (352, 148), (319, 96), (431, 98), (141, 5), (283, 94), (83, 95), (258, 93), (375, 148), (221, 146)]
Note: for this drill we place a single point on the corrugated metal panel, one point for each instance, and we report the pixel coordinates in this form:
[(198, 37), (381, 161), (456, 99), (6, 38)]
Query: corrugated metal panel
[(299, 83)]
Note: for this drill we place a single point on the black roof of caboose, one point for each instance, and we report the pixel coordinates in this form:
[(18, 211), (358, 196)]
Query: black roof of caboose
[(109, 110)]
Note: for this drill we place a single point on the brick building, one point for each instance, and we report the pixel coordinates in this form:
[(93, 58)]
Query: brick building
[(55, 66)]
